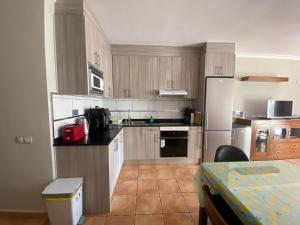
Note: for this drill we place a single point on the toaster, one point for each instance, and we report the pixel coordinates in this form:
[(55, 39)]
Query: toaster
[(72, 133)]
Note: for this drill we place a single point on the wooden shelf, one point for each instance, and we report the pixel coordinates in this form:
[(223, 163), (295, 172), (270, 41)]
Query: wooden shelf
[(265, 79)]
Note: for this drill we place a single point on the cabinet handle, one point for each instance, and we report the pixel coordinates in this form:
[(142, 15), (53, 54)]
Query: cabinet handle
[(98, 59), (129, 93), (221, 70), (277, 152), (173, 82), (95, 58), (125, 93), (294, 151), (216, 70)]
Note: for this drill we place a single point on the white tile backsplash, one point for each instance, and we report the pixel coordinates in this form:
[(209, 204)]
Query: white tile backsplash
[(110, 104), (140, 105), (156, 105), (172, 105), (139, 109), (124, 105), (62, 108)]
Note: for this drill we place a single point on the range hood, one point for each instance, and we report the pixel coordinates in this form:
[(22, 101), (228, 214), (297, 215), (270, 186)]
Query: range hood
[(172, 93)]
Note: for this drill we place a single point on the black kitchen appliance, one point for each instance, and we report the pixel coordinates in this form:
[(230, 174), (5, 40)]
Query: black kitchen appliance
[(187, 115), (98, 119), (173, 141)]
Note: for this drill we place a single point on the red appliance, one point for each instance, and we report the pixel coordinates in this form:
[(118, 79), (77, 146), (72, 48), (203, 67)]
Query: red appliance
[(72, 133)]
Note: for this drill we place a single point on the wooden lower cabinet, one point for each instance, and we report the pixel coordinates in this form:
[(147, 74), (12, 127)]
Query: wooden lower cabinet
[(143, 143), (275, 139), (195, 143), (98, 165)]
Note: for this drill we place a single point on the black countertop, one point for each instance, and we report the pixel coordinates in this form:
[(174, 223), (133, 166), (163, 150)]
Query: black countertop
[(105, 137)]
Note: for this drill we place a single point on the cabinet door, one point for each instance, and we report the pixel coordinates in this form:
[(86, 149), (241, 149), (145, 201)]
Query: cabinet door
[(152, 76), (137, 77), (96, 48), (89, 40), (191, 68), (219, 64), (111, 148), (195, 143), (260, 149), (108, 83), (152, 147), (134, 143), (121, 78), (165, 72), (178, 80)]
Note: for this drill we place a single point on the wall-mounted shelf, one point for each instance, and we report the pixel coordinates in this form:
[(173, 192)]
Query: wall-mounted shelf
[(265, 79)]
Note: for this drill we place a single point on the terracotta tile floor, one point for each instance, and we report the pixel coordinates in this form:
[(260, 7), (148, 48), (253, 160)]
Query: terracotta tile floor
[(161, 194), (147, 195)]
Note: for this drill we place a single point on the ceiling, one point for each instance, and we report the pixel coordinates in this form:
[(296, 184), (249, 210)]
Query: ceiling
[(256, 26)]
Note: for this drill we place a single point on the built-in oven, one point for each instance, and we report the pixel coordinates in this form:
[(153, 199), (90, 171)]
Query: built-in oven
[(96, 81), (173, 141)]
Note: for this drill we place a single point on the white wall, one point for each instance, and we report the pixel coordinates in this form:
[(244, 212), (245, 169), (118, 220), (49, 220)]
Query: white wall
[(24, 169), (251, 97)]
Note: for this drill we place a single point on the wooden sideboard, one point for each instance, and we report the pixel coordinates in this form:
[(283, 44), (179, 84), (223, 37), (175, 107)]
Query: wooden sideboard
[(274, 139)]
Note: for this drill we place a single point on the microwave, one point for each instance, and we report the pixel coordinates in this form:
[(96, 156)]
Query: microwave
[(96, 81)]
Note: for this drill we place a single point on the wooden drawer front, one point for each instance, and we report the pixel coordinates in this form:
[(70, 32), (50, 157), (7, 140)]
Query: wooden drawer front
[(295, 149), (280, 151)]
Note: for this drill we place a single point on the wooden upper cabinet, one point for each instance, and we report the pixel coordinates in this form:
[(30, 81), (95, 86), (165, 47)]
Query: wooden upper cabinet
[(89, 40), (80, 41), (137, 77), (219, 64), (121, 76), (178, 78), (165, 72), (191, 68), (108, 80), (152, 76)]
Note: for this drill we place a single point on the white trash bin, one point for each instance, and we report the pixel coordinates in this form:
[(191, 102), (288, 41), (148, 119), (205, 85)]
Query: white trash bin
[(64, 201)]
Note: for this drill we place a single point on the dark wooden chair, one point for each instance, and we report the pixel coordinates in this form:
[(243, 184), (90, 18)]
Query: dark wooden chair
[(229, 153), (217, 210)]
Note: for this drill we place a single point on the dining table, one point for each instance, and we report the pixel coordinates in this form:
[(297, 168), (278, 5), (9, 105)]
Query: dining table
[(258, 192)]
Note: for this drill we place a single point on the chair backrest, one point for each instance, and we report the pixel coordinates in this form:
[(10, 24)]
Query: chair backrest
[(211, 210), (229, 153)]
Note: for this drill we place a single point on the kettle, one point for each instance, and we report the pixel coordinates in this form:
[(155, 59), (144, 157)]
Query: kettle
[(85, 124)]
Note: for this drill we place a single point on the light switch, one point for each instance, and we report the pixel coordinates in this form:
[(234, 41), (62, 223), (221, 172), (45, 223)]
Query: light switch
[(19, 139), (27, 139)]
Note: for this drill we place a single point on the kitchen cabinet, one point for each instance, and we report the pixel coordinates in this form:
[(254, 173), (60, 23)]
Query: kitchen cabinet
[(115, 161), (171, 73), (152, 77), (80, 42), (165, 72), (121, 76), (137, 71), (178, 78), (219, 64), (152, 143), (195, 143), (191, 71), (152, 68), (134, 143)]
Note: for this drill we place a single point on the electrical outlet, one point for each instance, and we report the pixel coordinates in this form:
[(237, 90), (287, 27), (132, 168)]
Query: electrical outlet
[(19, 140), (75, 112), (27, 139)]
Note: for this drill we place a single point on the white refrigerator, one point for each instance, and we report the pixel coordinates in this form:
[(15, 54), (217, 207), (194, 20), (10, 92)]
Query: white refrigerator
[(218, 109)]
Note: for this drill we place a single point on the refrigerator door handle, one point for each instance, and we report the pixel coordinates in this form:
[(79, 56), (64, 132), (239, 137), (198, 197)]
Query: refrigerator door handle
[(206, 120), (205, 141)]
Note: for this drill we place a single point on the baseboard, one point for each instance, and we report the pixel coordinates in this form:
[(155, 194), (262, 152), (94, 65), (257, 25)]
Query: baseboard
[(15, 213), (164, 160)]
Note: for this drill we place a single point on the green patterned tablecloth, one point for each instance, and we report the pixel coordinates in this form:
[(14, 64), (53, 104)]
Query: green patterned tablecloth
[(265, 197)]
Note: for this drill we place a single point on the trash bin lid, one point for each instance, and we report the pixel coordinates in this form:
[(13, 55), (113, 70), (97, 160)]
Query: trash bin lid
[(62, 188)]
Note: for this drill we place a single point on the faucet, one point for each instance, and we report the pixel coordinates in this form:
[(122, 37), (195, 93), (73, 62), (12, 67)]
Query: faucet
[(129, 118)]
